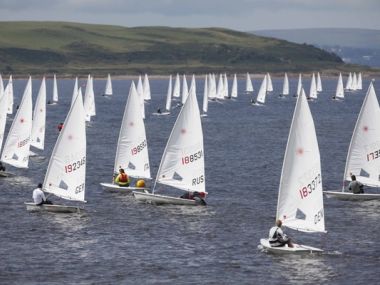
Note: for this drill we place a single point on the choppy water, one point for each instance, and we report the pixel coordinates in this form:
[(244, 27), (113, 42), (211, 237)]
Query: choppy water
[(119, 241)]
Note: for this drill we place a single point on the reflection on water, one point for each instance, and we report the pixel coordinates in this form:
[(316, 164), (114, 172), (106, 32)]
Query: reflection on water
[(301, 269)]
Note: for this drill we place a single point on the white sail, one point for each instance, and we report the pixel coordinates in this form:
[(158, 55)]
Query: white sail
[(219, 91), (285, 86), (319, 83), (169, 96), (140, 92), (205, 96), (349, 82), (177, 87), (193, 86), (339, 88), (1, 85), (132, 147), (360, 83), (313, 94), (354, 82), (8, 91), (75, 92), (3, 116), (89, 99), (211, 87), (182, 164), (299, 85), (300, 199), (226, 87), (66, 173), (234, 89), (248, 84), (185, 89), (108, 89), (39, 118), (363, 158), (17, 144), (146, 88), (262, 91), (55, 89), (269, 83)]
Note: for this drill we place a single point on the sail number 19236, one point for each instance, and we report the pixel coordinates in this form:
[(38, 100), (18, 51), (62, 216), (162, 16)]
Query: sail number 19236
[(192, 157), (307, 190), (75, 165)]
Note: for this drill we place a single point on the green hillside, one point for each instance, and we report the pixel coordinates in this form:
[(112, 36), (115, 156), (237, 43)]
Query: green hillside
[(72, 48)]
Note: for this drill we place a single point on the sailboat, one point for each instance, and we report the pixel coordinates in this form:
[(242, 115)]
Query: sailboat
[(260, 99), (182, 164), (285, 86), (205, 98), (313, 94), (132, 147), (220, 89), (211, 86), (17, 144), (269, 83), (339, 93), (248, 84), (146, 88), (89, 100), (108, 90), (140, 92), (37, 138), (3, 120), (177, 87), (185, 90), (363, 158), (360, 83), (75, 92), (319, 83), (8, 91), (300, 199), (299, 86), (55, 92), (66, 173), (349, 82), (168, 104), (234, 88), (225, 87)]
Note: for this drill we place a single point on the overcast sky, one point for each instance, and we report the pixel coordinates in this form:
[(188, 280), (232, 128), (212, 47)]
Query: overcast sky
[(242, 15)]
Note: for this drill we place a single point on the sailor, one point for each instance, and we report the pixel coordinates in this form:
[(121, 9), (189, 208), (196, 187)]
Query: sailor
[(196, 196), (159, 111), (39, 196), (122, 178), (355, 186), (60, 126), (277, 238)]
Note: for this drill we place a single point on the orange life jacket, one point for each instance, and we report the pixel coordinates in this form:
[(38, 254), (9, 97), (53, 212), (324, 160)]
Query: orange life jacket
[(123, 177)]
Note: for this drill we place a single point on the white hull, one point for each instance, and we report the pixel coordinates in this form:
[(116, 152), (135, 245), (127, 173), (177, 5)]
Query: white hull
[(118, 189), (52, 208), (53, 103), (163, 200), (297, 249), (161, 114), (6, 174), (32, 154), (351, 196), (203, 115)]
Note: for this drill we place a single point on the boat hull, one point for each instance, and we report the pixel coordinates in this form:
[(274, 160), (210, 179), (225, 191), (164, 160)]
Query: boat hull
[(6, 174), (32, 207), (297, 249), (163, 200), (161, 114), (117, 189), (351, 196)]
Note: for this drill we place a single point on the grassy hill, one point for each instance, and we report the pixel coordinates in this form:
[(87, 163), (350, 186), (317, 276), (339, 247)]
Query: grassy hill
[(73, 48)]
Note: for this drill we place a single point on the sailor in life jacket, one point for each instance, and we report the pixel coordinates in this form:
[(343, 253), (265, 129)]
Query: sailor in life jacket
[(277, 237), (122, 178)]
